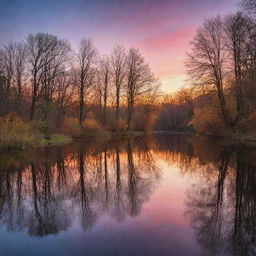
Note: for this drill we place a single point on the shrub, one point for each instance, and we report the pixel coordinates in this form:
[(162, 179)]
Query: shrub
[(207, 120), (91, 127), (15, 133), (91, 124), (118, 125), (71, 127), (145, 120)]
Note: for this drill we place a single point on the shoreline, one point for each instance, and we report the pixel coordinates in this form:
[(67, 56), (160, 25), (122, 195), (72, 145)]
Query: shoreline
[(62, 139)]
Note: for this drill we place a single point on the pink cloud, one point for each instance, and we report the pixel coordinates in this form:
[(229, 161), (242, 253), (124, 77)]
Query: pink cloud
[(178, 38)]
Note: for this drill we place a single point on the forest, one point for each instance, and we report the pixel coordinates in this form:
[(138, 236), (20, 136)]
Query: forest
[(51, 91)]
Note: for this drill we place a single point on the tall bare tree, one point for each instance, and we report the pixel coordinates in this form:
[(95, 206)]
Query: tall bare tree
[(104, 80), (56, 64), (236, 32), (46, 53), (20, 59), (118, 63), (64, 93), (8, 64), (139, 80), (87, 57), (206, 62)]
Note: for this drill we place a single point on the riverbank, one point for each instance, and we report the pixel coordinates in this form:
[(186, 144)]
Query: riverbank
[(12, 141), (234, 139), (21, 143), (15, 133)]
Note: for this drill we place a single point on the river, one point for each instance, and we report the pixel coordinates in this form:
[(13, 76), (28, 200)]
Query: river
[(154, 196)]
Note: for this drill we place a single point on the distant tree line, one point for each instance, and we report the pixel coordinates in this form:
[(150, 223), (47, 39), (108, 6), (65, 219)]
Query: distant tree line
[(43, 78)]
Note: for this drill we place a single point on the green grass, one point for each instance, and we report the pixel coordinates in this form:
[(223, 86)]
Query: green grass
[(55, 140), (59, 139)]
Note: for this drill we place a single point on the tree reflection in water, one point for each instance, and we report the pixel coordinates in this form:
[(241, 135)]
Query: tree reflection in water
[(221, 206), (42, 191)]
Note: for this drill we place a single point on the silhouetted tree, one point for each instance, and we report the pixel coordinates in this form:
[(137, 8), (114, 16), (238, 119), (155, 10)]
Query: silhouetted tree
[(86, 60), (139, 80), (118, 62)]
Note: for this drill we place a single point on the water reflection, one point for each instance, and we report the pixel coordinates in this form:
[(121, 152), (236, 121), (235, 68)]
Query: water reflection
[(221, 206), (44, 191), (41, 192)]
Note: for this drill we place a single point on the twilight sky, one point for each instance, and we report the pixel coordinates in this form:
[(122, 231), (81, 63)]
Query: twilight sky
[(161, 29)]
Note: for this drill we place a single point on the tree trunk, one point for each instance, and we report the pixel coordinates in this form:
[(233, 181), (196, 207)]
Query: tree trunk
[(117, 102), (105, 106), (32, 110), (81, 109), (225, 113)]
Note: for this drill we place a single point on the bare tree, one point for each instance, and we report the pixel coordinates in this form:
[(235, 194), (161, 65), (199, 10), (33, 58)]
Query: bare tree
[(8, 64), (104, 80), (38, 48), (98, 96), (2, 82), (118, 63), (139, 80), (206, 62), (20, 70), (64, 93), (87, 57), (236, 32), (56, 64), (249, 6), (46, 53), (1, 62)]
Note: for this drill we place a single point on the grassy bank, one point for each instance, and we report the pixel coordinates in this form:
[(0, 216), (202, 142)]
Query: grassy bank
[(15, 133), (14, 142), (55, 140)]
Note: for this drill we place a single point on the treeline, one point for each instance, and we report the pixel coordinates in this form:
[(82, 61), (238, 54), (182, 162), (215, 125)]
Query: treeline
[(43, 80), (222, 69), (175, 111), (47, 86)]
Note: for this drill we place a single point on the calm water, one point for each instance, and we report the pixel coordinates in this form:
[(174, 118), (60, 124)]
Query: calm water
[(156, 196)]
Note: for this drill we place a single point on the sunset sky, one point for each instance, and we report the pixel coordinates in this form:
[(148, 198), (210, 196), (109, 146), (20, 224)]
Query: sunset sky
[(161, 29)]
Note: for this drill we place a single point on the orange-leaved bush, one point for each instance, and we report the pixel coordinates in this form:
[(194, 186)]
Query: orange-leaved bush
[(15, 133)]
